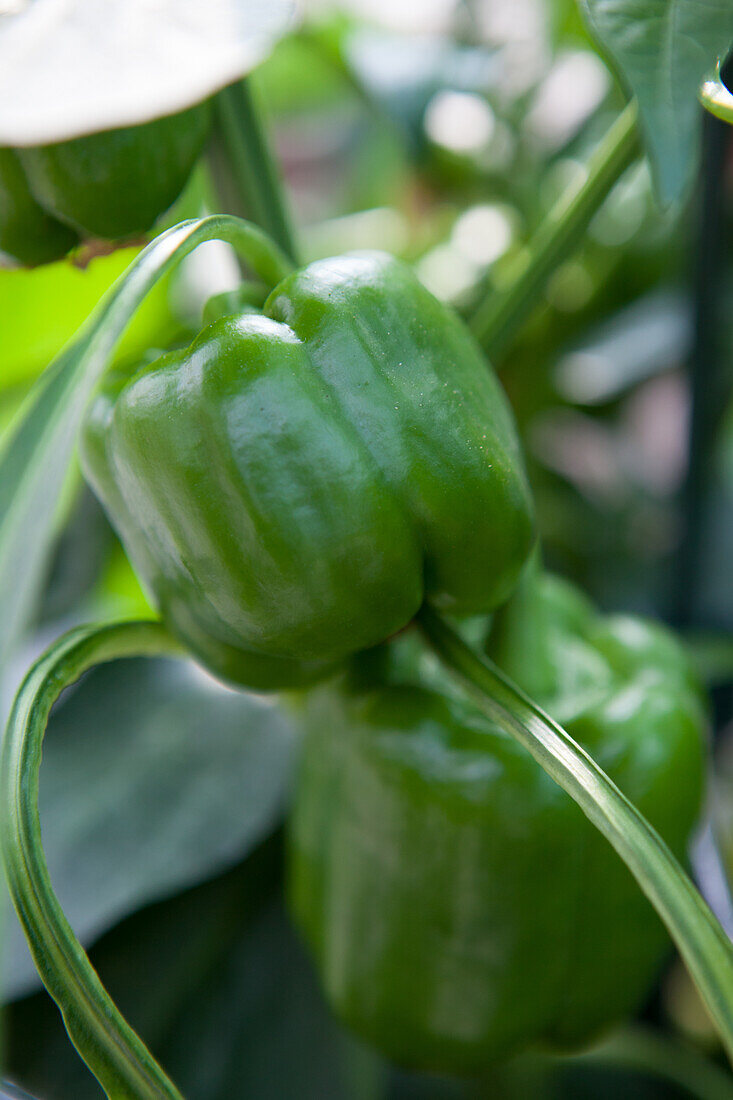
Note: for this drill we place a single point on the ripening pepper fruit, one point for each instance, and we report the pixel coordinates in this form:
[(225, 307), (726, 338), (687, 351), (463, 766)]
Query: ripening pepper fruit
[(111, 184), (459, 906), (293, 485)]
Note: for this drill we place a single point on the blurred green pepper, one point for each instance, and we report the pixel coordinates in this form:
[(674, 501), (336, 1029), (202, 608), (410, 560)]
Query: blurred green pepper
[(295, 484), (458, 904), (112, 184), (28, 233)]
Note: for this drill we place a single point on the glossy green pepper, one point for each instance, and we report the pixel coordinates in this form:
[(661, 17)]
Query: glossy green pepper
[(295, 484), (459, 906), (112, 184)]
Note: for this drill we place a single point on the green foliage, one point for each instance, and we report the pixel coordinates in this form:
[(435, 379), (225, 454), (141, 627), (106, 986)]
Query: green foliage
[(32, 337), (663, 49), (175, 779)]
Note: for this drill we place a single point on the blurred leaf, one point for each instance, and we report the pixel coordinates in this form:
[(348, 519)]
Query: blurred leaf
[(154, 777), (300, 75), (259, 1027), (117, 593), (73, 67), (80, 556), (11, 1092), (205, 920), (43, 307), (663, 49), (226, 999), (651, 335), (711, 654)]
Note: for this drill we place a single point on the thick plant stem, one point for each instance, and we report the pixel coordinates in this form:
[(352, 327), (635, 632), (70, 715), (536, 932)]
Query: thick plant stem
[(254, 175), (704, 946), (496, 320), (115, 1054)]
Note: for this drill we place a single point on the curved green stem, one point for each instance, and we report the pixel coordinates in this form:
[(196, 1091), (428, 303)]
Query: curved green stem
[(117, 1057), (703, 944), (106, 325), (258, 247), (258, 188), (36, 450), (496, 320), (646, 1051)]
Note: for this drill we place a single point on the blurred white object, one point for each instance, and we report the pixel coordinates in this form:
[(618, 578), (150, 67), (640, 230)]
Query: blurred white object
[(382, 227), (480, 236), (210, 269), (459, 121), (575, 86), (445, 272), (521, 29), (483, 233), (74, 67)]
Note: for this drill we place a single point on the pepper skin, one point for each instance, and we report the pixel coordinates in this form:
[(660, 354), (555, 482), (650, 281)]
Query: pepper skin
[(117, 183), (295, 484), (27, 233), (458, 905)]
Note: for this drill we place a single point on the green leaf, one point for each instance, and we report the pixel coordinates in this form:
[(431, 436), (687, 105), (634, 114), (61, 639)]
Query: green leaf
[(154, 778), (229, 1001), (205, 921), (258, 1027), (42, 307), (77, 68), (37, 451), (663, 49)]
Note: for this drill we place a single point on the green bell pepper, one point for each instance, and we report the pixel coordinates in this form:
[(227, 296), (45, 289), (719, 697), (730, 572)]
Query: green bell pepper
[(297, 482), (112, 184), (459, 906)]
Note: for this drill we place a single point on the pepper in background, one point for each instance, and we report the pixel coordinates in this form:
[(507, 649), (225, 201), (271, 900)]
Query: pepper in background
[(297, 482), (109, 185), (28, 233), (459, 906)]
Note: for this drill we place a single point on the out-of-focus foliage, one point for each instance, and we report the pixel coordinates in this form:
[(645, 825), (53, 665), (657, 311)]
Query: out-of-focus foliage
[(238, 1013), (218, 986), (154, 778), (42, 308), (663, 51)]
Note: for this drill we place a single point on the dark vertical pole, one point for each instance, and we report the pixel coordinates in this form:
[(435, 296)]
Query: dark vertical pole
[(709, 386)]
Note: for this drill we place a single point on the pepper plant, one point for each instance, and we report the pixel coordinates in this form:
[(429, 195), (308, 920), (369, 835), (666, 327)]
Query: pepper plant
[(324, 496)]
